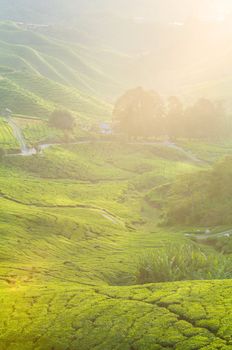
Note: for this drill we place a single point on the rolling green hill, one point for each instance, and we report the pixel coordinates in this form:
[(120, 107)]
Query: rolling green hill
[(38, 74), (203, 198), (105, 245), (105, 47), (74, 224)]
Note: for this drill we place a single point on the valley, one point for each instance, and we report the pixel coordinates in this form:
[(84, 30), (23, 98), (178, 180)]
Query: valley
[(74, 223), (115, 200)]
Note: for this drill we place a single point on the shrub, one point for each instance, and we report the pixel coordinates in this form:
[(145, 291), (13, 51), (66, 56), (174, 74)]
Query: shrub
[(175, 263), (62, 119)]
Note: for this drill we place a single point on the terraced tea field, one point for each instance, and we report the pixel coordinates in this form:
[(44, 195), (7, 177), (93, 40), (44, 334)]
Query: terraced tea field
[(39, 74), (103, 242), (74, 223), (7, 138), (34, 131)]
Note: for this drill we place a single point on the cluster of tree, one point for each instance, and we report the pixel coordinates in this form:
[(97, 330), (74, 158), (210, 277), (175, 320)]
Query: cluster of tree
[(141, 113)]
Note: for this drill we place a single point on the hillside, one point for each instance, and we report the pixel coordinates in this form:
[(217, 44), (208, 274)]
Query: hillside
[(103, 48), (74, 224), (190, 59), (38, 75), (202, 199), (95, 62), (115, 240)]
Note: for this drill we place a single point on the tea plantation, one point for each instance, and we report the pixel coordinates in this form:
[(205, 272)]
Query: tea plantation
[(39, 74), (75, 222)]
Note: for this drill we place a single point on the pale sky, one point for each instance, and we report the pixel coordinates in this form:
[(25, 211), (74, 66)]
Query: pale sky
[(216, 9), (204, 9), (176, 9), (161, 10)]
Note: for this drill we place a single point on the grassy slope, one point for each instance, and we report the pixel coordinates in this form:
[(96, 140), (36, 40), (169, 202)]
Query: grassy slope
[(119, 318), (73, 222), (204, 198), (39, 74), (207, 151), (7, 138), (69, 252)]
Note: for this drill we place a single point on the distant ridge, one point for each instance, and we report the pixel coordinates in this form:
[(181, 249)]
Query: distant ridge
[(38, 74)]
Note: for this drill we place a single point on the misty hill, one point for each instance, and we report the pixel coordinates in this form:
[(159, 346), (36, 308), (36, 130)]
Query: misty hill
[(104, 48), (38, 73), (94, 253)]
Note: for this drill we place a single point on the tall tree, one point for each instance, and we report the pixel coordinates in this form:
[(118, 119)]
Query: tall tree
[(206, 119), (175, 117), (140, 113)]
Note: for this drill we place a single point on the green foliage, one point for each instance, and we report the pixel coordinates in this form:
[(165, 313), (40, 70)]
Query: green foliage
[(63, 120), (22, 101), (206, 119), (203, 120), (106, 161), (207, 151), (7, 138), (40, 133), (222, 243), (139, 113), (72, 221), (202, 199), (2, 153), (41, 74), (175, 117), (68, 315), (177, 263), (61, 96)]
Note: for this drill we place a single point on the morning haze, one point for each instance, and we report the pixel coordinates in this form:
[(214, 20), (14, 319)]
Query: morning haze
[(115, 175)]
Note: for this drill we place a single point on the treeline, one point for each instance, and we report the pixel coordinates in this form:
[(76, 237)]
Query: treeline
[(141, 113)]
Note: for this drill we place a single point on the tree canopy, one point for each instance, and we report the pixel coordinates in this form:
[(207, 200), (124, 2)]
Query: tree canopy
[(205, 119), (62, 119), (141, 113)]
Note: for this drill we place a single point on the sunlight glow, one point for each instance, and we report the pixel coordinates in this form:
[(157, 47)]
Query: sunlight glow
[(215, 10)]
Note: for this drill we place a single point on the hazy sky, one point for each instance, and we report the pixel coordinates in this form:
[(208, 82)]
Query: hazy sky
[(216, 9), (162, 10), (180, 9)]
